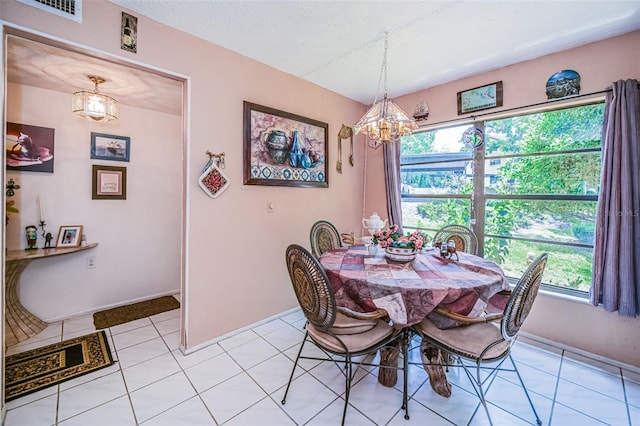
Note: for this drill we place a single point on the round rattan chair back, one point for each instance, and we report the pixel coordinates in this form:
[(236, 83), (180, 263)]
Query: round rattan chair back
[(324, 237), (312, 287), (522, 297), (464, 238)]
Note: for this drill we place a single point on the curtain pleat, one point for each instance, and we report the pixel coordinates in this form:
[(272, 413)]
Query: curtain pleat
[(616, 257)]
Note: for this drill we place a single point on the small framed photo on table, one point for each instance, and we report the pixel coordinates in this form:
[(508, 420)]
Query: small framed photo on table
[(69, 236), (109, 183)]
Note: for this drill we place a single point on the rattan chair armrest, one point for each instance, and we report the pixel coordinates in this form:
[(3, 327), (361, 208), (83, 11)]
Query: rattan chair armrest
[(468, 320), (379, 313)]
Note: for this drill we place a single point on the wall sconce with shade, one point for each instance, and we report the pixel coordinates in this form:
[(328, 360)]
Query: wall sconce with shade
[(95, 106), (385, 121)]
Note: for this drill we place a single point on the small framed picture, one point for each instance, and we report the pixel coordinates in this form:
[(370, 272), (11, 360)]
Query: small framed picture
[(109, 183), (479, 98), (69, 236), (129, 33), (110, 147)]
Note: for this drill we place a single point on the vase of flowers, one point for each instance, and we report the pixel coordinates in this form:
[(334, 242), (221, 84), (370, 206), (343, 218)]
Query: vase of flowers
[(399, 247)]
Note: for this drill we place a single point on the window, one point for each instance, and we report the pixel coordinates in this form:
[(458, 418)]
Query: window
[(532, 187)]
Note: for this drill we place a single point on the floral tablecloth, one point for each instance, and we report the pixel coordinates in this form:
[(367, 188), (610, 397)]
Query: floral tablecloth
[(410, 291)]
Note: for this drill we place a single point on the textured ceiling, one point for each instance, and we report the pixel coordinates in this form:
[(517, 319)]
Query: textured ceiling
[(48, 67), (338, 44)]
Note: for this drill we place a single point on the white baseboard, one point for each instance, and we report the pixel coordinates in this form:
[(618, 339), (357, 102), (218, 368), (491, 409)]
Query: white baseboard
[(113, 305), (581, 352), (234, 332)]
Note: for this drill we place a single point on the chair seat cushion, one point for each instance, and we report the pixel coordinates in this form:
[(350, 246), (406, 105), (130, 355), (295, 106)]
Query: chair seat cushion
[(347, 325), (469, 341), (355, 342)]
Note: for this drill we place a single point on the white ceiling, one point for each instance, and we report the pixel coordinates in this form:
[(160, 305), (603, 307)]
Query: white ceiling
[(339, 44)]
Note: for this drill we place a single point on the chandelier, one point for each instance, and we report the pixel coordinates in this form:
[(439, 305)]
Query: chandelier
[(385, 121), (95, 106)]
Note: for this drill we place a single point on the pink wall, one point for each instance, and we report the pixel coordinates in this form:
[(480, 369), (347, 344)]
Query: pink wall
[(234, 271)]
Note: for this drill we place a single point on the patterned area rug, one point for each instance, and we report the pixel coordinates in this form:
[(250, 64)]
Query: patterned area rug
[(34, 370), (122, 314)]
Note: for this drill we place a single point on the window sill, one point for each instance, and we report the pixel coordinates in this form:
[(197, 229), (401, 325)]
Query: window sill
[(567, 295)]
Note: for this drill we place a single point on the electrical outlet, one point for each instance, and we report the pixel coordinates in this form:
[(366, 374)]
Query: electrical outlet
[(91, 262)]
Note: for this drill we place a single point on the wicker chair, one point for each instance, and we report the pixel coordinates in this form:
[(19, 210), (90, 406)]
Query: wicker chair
[(324, 237), (481, 340), (464, 238), (340, 333)]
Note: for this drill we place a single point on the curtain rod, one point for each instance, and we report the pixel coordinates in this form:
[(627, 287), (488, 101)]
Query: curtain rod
[(473, 118)]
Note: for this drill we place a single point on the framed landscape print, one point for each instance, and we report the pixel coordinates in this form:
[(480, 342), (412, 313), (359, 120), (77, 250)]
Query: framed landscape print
[(110, 147), (479, 98), (284, 149)]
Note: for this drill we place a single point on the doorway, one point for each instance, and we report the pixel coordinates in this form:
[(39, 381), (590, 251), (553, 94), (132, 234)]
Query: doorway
[(140, 237)]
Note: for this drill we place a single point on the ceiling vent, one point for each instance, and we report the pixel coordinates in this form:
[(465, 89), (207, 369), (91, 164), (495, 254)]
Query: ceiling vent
[(70, 9)]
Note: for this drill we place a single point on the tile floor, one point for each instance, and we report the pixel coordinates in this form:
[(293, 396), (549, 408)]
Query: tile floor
[(240, 381)]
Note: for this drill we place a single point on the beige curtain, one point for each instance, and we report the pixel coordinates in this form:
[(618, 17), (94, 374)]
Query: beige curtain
[(616, 256)]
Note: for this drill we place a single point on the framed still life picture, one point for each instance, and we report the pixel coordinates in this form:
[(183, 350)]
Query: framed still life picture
[(109, 183), (479, 98), (29, 148), (284, 149), (129, 33)]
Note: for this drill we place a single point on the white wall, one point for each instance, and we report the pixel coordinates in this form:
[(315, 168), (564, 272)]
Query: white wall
[(139, 238)]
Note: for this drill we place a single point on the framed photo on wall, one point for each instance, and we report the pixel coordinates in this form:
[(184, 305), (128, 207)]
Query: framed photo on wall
[(110, 147), (69, 236), (109, 183), (29, 148), (129, 33), (284, 149), (479, 98)]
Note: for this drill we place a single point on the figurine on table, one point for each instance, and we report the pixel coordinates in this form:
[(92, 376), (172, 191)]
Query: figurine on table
[(47, 240), (32, 237)]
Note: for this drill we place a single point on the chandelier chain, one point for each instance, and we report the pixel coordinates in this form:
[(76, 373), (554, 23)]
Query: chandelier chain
[(383, 68)]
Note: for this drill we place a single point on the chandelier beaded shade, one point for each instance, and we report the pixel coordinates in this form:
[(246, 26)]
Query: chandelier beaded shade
[(95, 106), (385, 121)]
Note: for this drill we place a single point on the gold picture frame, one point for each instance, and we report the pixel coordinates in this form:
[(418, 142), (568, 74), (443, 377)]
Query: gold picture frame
[(69, 236)]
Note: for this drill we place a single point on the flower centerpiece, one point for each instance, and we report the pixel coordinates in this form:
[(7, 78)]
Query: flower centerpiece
[(400, 247)]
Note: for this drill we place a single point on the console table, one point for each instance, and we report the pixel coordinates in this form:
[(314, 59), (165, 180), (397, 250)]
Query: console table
[(19, 323)]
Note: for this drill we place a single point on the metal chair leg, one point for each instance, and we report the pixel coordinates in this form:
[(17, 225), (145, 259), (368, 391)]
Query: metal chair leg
[(515, 368), (295, 364), (348, 377), (405, 365)]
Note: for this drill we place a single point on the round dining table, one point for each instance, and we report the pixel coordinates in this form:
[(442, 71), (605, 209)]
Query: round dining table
[(410, 291)]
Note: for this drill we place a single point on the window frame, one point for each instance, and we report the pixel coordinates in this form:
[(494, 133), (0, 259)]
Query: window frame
[(478, 198)]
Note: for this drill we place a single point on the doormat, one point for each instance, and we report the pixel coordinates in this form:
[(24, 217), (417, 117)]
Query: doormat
[(34, 370), (122, 314)]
